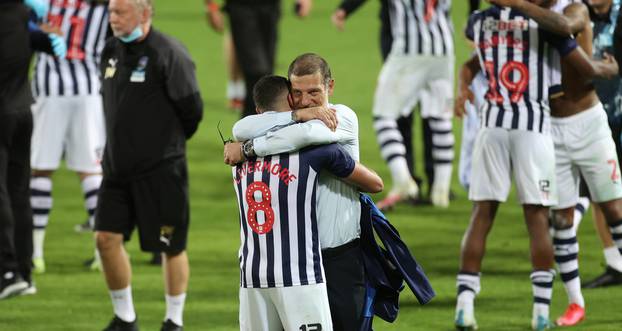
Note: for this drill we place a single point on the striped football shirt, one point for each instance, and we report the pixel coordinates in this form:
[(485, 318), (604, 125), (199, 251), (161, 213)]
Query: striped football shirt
[(84, 25), (278, 217), (516, 57), (421, 27)]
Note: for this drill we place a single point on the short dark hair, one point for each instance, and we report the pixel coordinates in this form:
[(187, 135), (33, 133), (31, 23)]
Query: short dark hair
[(267, 89), (309, 64)]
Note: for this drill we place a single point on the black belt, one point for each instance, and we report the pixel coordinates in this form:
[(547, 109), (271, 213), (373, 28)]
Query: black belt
[(336, 251)]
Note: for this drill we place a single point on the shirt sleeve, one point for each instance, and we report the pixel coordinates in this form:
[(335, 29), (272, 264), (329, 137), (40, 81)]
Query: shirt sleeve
[(183, 90), (334, 159), (469, 30), (564, 44), (297, 136), (254, 126), (294, 137), (39, 40), (350, 6)]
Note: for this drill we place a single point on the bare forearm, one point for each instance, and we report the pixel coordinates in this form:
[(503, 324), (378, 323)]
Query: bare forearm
[(603, 70), (468, 71), (365, 179), (549, 20)]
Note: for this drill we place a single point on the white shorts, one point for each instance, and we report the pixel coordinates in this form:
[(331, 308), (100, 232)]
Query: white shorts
[(470, 127), (285, 308), (69, 126), (407, 79), (584, 146), (529, 155)]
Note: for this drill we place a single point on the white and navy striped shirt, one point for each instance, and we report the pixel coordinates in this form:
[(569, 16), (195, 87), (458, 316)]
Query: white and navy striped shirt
[(278, 218), (84, 25), (515, 55), (418, 31)]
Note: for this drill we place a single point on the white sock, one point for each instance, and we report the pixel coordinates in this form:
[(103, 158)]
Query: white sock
[(399, 172), (573, 290), (38, 237), (231, 90), (465, 301), (579, 210), (540, 309), (90, 189), (542, 287), (41, 203), (175, 308), (96, 256), (442, 176), (240, 89), (122, 304), (613, 257), (566, 257)]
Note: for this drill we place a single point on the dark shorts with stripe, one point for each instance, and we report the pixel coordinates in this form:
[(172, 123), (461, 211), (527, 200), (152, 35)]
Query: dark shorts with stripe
[(157, 204)]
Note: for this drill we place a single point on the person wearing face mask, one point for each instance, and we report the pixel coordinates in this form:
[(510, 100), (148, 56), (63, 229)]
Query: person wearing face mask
[(152, 106)]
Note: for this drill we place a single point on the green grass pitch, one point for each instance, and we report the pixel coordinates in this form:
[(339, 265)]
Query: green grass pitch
[(72, 298)]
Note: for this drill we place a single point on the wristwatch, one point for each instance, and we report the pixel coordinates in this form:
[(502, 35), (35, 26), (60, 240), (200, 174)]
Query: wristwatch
[(247, 149)]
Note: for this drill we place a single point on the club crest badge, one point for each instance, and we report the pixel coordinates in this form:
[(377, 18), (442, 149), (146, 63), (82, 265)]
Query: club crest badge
[(138, 75), (111, 69)]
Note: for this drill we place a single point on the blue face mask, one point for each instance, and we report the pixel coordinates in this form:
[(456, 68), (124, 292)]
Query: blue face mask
[(133, 36)]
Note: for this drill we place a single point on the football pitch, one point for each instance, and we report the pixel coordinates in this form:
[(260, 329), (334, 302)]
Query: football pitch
[(73, 298)]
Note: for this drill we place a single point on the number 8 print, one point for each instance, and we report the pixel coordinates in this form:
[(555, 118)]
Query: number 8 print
[(255, 206)]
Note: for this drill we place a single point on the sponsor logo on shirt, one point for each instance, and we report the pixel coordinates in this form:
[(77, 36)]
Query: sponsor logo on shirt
[(138, 75)]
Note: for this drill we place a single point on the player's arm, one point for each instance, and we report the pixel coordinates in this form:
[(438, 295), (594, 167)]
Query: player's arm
[(467, 73), (214, 16), (45, 39), (183, 90), (290, 138), (254, 126), (336, 160), (345, 9), (575, 18), (365, 179), (589, 68)]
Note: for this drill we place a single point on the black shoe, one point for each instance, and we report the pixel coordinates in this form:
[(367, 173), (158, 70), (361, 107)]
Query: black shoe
[(118, 324), (156, 258), (168, 325), (11, 283), (608, 278)]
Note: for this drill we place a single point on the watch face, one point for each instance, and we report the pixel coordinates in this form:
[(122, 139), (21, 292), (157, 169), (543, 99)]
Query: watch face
[(247, 147)]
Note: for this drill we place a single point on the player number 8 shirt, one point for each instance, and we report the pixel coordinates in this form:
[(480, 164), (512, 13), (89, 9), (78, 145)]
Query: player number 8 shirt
[(278, 219)]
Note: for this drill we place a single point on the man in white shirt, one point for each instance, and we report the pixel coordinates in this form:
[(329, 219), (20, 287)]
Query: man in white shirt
[(338, 204)]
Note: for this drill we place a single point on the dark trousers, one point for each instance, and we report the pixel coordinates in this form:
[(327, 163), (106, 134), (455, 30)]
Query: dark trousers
[(345, 281), (386, 36), (15, 211), (254, 32)]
